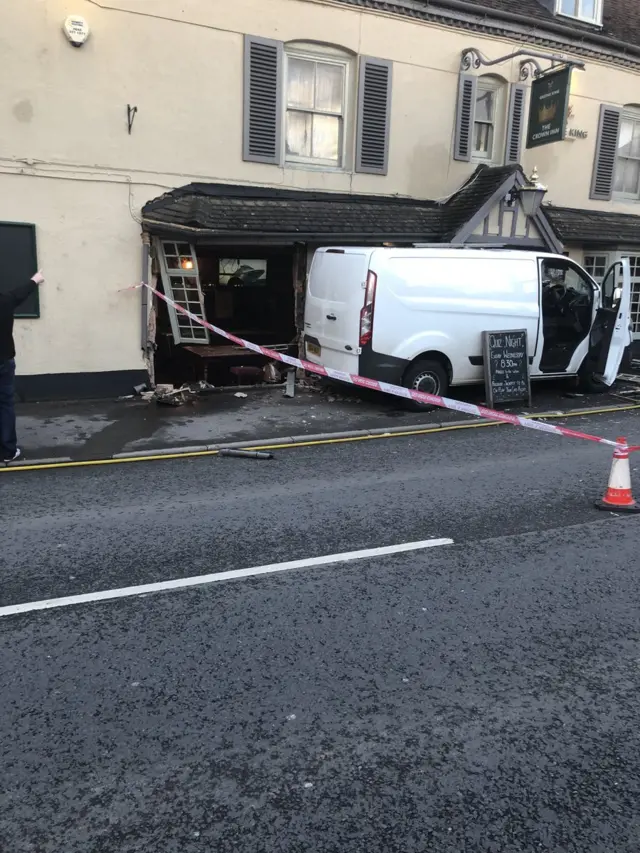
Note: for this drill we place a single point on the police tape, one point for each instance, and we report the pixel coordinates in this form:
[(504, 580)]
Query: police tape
[(384, 387)]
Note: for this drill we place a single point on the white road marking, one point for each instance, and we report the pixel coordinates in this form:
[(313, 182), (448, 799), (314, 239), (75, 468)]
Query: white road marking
[(201, 580)]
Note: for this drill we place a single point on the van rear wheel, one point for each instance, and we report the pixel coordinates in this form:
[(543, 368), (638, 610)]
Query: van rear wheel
[(427, 376)]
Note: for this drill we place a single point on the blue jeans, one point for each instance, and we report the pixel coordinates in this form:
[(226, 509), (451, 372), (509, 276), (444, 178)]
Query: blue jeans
[(8, 440)]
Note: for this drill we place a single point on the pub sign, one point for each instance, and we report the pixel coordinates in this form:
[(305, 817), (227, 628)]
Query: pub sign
[(548, 109)]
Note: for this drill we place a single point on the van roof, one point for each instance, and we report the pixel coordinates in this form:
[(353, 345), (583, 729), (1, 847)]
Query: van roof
[(435, 251)]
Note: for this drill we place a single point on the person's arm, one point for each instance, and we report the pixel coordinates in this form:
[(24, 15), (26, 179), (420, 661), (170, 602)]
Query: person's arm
[(15, 297)]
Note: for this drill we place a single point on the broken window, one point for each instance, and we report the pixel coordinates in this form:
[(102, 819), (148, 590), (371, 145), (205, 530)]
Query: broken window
[(181, 282)]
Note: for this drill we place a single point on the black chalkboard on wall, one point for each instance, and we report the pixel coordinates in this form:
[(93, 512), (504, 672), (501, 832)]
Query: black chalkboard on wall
[(19, 261), (506, 366)]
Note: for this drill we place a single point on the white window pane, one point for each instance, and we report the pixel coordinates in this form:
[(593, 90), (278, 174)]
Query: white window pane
[(300, 84), (326, 138), (596, 265), (630, 174), (635, 141), (569, 7), (483, 139), (299, 134), (626, 138), (329, 88), (485, 106), (588, 9)]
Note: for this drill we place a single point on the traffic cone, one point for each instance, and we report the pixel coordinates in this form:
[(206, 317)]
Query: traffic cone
[(618, 497)]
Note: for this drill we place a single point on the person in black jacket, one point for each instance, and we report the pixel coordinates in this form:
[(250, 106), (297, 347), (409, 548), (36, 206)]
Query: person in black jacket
[(9, 301)]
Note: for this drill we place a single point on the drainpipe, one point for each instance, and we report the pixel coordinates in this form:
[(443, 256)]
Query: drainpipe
[(540, 26), (144, 293)]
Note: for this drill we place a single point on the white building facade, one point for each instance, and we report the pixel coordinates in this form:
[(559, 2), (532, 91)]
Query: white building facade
[(209, 147)]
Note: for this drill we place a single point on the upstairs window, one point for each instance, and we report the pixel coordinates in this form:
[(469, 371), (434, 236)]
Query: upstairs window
[(489, 119), (589, 11), (316, 106), (626, 178)]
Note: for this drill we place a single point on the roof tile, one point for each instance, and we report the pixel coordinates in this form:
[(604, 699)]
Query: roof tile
[(221, 210), (228, 211), (594, 227), (621, 20)]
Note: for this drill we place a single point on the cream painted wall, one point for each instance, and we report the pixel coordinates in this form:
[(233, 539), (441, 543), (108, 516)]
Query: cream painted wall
[(68, 164), (89, 249), (181, 65)]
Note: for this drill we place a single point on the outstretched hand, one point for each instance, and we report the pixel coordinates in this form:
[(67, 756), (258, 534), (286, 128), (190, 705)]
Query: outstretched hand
[(38, 278)]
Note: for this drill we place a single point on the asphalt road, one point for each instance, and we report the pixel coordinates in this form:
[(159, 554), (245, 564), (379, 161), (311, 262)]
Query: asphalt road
[(476, 697)]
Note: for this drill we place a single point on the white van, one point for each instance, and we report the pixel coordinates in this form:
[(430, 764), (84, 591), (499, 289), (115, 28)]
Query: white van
[(415, 317)]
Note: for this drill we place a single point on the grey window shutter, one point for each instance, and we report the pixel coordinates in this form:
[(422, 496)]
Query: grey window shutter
[(374, 114), (263, 85), (465, 111), (606, 149), (515, 127)]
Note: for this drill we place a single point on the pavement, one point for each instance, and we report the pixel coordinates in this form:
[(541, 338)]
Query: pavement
[(477, 697), (101, 429)]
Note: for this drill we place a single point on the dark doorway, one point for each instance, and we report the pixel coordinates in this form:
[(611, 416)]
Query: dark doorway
[(247, 291)]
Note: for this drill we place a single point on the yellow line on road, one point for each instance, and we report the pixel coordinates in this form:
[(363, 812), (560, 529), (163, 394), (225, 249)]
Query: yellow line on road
[(88, 463)]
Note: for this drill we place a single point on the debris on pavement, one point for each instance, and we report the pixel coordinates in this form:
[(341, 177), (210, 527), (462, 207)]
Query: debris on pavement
[(311, 382), (167, 395), (182, 395), (290, 387), (175, 397), (240, 394), (270, 373), (246, 454)]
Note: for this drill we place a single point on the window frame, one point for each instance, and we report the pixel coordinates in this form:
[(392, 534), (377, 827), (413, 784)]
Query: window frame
[(178, 329), (326, 56), (591, 268), (579, 15), (634, 263), (499, 88), (632, 114)]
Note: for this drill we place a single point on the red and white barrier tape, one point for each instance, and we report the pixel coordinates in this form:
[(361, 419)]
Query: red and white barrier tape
[(384, 387)]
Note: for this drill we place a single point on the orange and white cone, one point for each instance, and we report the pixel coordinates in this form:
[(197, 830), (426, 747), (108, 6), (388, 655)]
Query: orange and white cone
[(618, 497)]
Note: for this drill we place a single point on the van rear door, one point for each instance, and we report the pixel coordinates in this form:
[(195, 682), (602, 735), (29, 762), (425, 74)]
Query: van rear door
[(335, 296)]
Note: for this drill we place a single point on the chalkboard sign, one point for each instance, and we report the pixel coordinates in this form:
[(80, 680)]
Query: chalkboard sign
[(506, 366)]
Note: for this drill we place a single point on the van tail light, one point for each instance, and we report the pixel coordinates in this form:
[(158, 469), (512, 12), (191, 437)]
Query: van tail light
[(366, 315)]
